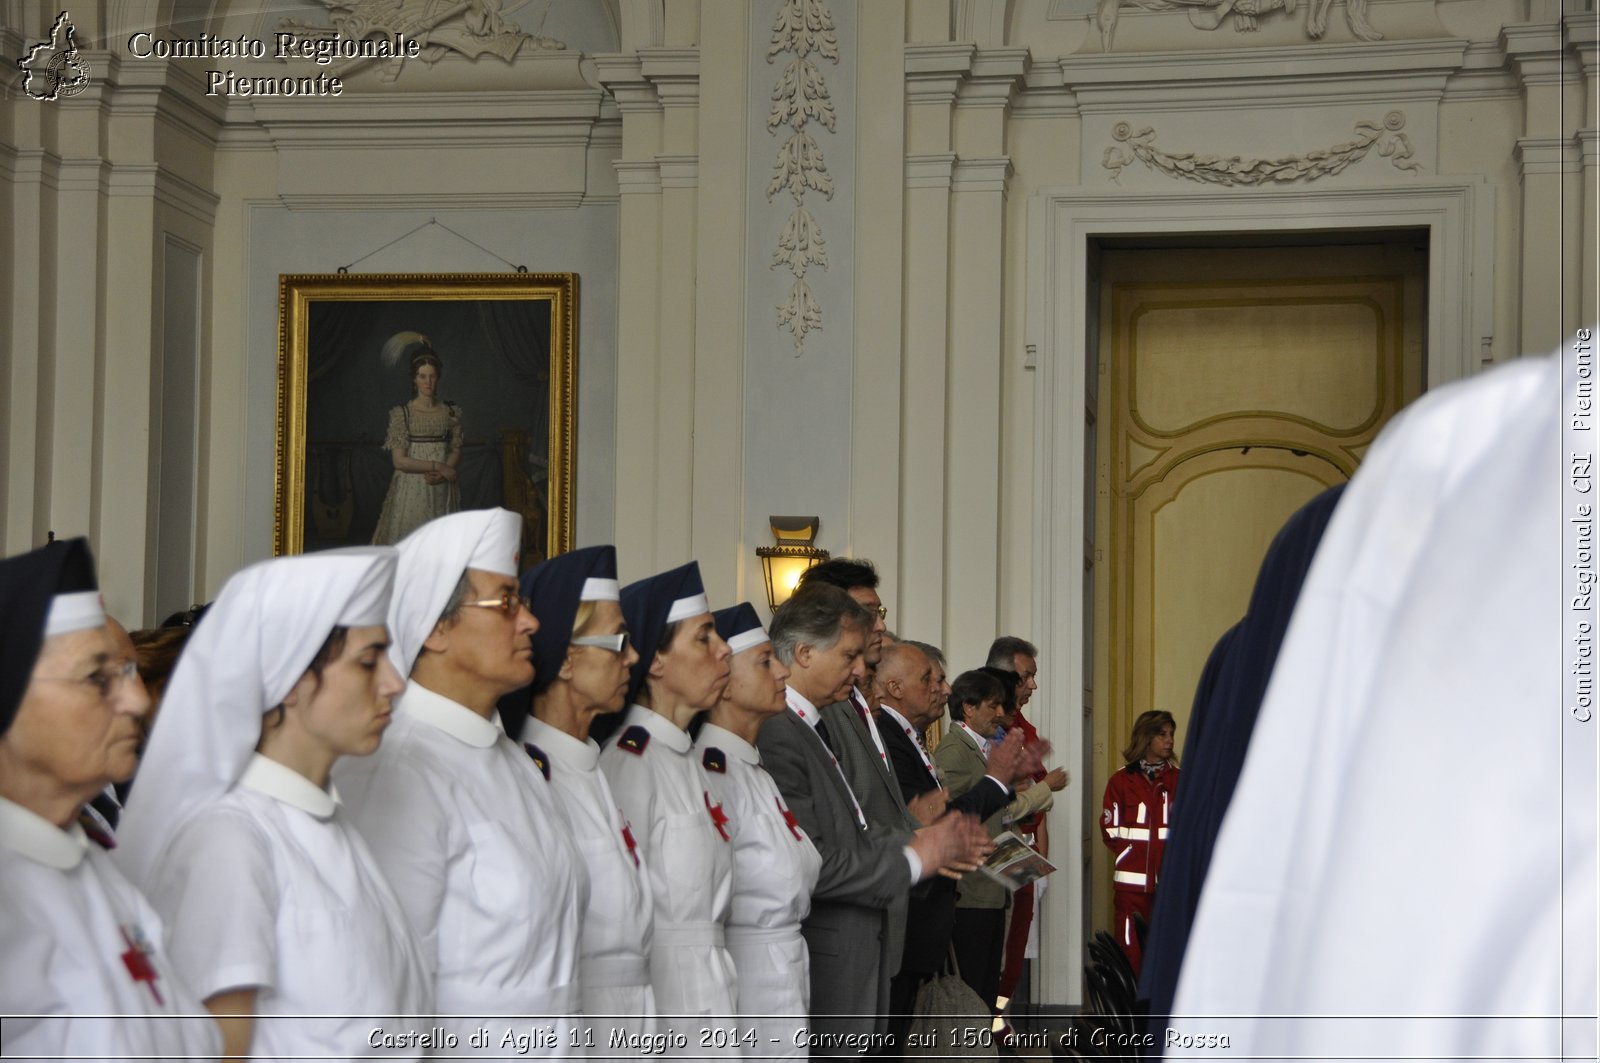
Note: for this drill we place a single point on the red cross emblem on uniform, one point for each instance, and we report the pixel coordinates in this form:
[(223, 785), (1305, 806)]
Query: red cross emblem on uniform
[(137, 960), (789, 820), (627, 837), (719, 818)]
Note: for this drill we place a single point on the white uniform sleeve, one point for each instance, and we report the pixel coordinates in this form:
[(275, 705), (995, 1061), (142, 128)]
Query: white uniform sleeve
[(218, 895)]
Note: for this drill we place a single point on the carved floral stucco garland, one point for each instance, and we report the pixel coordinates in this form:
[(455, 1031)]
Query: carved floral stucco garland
[(800, 98), (1386, 137)]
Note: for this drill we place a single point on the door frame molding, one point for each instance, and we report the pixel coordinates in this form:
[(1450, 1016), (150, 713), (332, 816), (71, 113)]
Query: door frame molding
[(1459, 219)]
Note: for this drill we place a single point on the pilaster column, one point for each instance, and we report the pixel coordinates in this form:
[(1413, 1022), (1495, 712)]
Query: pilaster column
[(717, 536), (878, 412), (27, 221), (1585, 38), (638, 311), (977, 263), (71, 295), (1546, 155), (933, 73), (675, 73)]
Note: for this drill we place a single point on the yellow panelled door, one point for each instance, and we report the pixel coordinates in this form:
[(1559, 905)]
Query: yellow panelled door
[(1235, 384)]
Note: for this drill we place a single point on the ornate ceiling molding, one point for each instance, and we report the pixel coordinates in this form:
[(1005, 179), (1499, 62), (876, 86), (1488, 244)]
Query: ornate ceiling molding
[(471, 30), (1245, 14)]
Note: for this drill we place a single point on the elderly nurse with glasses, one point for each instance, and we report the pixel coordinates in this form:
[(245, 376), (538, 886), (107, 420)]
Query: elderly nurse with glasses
[(682, 832), (277, 913), (77, 938), (466, 826), (581, 660)]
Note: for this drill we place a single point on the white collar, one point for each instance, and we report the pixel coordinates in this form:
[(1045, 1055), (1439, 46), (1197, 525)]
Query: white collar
[(801, 706), (281, 782), (560, 746), (728, 742), (451, 717), (41, 841), (977, 739), (905, 724), (661, 729)]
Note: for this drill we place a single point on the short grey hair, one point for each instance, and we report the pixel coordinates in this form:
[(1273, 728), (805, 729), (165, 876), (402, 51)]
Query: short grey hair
[(935, 654), (816, 615), (1003, 652)]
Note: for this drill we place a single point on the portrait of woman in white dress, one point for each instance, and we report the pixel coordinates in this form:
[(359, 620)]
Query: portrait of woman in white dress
[(424, 440)]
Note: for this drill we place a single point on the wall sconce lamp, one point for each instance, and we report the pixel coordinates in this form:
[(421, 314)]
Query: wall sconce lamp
[(783, 565)]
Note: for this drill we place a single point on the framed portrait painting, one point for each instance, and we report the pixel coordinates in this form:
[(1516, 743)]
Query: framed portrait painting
[(403, 397)]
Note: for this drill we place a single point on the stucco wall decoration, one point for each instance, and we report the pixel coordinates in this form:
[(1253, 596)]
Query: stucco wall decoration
[(805, 29), (472, 29), (1210, 14), (1385, 137)]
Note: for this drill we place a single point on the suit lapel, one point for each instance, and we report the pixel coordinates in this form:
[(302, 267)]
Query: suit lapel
[(858, 720)]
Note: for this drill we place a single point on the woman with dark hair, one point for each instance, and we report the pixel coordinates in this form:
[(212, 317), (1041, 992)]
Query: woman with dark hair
[(1134, 820), (424, 442), (275, 906), (682, 832)]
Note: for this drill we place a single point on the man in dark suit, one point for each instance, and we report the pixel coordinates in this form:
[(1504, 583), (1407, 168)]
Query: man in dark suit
[(909, 701), (819, 634)]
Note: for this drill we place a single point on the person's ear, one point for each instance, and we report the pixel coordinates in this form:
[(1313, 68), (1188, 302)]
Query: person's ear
[(300, 695), (567, 666), (657, 669), (803, 655), (438, 639)]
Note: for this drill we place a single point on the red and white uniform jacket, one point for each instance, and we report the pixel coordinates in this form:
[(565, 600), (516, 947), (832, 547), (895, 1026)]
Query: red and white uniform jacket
[(1134, 823)]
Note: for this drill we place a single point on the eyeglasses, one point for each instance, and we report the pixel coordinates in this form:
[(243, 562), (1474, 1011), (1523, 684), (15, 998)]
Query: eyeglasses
[(507, 603), (882, 611), (103, 680), (617, 643)]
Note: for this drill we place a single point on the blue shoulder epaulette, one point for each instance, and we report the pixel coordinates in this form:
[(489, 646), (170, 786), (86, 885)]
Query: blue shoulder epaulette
[(634, 739), (715, 760), (540, 761)]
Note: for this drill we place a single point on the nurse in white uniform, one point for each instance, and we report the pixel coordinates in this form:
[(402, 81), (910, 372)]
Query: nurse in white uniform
[(682, 831), (462, 821), (581, 660), (775, 864), (76, 936), (277, 913)]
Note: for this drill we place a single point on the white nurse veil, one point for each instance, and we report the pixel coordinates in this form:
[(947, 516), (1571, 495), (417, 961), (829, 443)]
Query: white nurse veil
[(246, 654), (1394, 845)]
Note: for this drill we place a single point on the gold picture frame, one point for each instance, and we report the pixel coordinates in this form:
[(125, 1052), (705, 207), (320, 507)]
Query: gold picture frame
[(348, 344)]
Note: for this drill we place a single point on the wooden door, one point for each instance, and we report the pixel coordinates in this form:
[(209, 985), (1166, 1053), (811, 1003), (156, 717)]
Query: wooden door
[(1234, 385)]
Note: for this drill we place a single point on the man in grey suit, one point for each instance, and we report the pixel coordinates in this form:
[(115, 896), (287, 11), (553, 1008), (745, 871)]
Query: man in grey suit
[(819, 634), (853, 736)]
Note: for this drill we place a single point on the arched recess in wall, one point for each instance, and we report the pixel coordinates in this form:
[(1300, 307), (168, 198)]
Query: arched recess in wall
[(983, 22), (643, 23)]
